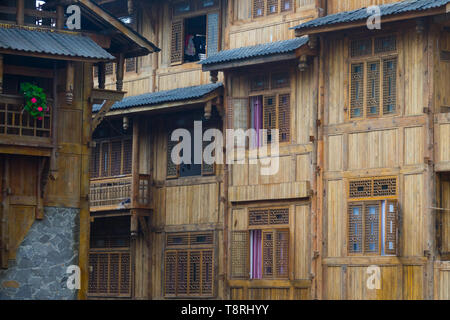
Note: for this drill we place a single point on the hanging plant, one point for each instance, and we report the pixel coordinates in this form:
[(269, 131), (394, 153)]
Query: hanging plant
[(35, 100)]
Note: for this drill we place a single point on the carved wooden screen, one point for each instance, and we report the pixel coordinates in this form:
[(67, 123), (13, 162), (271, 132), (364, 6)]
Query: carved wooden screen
[(239, 254), (176, 54), (258, 8), (189, 264), (131, 65), (356, 91), (269, 117), (284, 117), (275, 253), (109, 68), (389, 85), (391, 227), (373, 88), (355, 231), (272, 7), (372, 218), (213, 35)]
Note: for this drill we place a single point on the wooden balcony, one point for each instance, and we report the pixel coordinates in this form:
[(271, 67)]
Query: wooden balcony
[(116, 193)]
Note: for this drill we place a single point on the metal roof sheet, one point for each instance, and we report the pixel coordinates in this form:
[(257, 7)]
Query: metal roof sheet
[(51, 42), (363, 13), (266, 49)]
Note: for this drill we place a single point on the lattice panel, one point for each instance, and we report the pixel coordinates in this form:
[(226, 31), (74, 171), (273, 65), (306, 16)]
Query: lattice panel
[(361, 47), (207, 169), (280, 80), (385, 44), (182, 273), (194, 272), (130, 64), (207, 272), (258, 217), (105, 164), (114, 273), (176, 53), (268, 250), (355, 228), (272, 7), (127, 156), (116, 157), (284, 117), (269, 117), (95, 161), (391, 212), (373, 89), (384, 187), (177, 239), (286, 5), (93, 274), (282, 253), (14, 121), (372, 228), (360, 188), (259, 83), (172, 168), (109, 68), (110, 242), (279, 216), (356, 92), (170, 271), (239, 254), (258, 8), (201, 238), (389, 85)]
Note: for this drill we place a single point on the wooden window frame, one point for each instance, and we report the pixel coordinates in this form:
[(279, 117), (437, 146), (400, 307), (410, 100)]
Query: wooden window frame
[(188, 248), (265, 8), (366, 201), (109, 142), (366, 60)]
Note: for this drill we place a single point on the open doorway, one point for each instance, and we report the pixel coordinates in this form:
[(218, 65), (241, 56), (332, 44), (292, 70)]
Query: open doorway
[(195, 39)]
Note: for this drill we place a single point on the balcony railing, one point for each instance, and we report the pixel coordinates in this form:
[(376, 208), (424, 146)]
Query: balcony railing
[(15, 121), (115, 193)]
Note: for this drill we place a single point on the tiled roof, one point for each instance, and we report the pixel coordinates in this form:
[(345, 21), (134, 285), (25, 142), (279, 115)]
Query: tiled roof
[(363, 13), (50, 42), (159, 97), (266, 49)]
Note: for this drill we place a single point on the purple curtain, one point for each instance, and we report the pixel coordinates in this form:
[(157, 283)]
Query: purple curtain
[(256, 254), (256, 120)]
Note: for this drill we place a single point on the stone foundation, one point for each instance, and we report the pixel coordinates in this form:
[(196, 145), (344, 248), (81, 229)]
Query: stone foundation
[(39, 271)]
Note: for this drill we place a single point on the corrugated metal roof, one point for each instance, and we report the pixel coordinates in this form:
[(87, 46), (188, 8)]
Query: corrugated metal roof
[(266, 49), (51, 42), (362, 14), (159, 97)]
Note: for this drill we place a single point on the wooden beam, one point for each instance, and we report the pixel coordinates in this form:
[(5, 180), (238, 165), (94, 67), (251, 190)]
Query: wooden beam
[(101, 114), (99, 95), (60, 17), (28, 71), (120, 71)]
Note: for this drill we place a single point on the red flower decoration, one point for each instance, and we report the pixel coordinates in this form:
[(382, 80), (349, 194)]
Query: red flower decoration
[(33, 100)]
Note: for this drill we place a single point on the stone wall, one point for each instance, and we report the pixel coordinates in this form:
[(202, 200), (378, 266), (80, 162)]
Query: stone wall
[(39, 271)]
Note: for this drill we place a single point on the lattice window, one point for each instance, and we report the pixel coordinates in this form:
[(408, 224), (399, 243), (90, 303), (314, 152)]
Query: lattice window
[(201, 238), (258, 8), (170, 272), (259, 83), (239, 254), (384, 187), (361, 47), (275, 253), (389, 85), (373, 88), (131, 65), (109, 68), (391, 227), (279, 216), (355, 231), (273, 216), (111, 158), (182, 272), (385, 44), (360, 188), (356, 92), (272, 7), (268, 253), (269, 116), (286, 5), (280, 80), (177, 239), (116, 157), (284, 117), (95, 161), (172, 168), (258, 217), (372, 228), (176, 55)]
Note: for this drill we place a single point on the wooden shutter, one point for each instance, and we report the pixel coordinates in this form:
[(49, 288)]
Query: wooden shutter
[(182, 272), (268, 254), (207, 272), (195, 258), (284, 117), (355, 229), (95, 161), (282, 253), (272, 7), (116, 157), (105, 161), (172, 168), (372, 228), (213, 35), (127, 156), (373, 89), (258, 8), (239, 254), (389, 85), (356, 90), (170, 272), (269, 117), (391, 227), (176, 54)]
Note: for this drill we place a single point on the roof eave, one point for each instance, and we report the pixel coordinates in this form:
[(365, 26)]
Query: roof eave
[(54, 56), (361, 23)]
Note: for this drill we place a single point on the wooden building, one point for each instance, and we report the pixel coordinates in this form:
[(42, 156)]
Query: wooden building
[(361, 188), (44, 161)]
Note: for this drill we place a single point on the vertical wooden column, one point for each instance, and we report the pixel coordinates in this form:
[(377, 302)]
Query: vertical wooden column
[(20, 13), (135, 165), (60, 17), (1, 73), (101, 75), (69, 82), (4, 214), (119, 71)]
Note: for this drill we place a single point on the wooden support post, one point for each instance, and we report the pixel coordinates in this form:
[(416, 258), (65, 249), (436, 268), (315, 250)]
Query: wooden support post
[(101, 75), (119, 71), (60, 17), (4, 215), (208, 109), (69, 82), (134, 224), (1, 74), (135, 165), (20, 13)]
